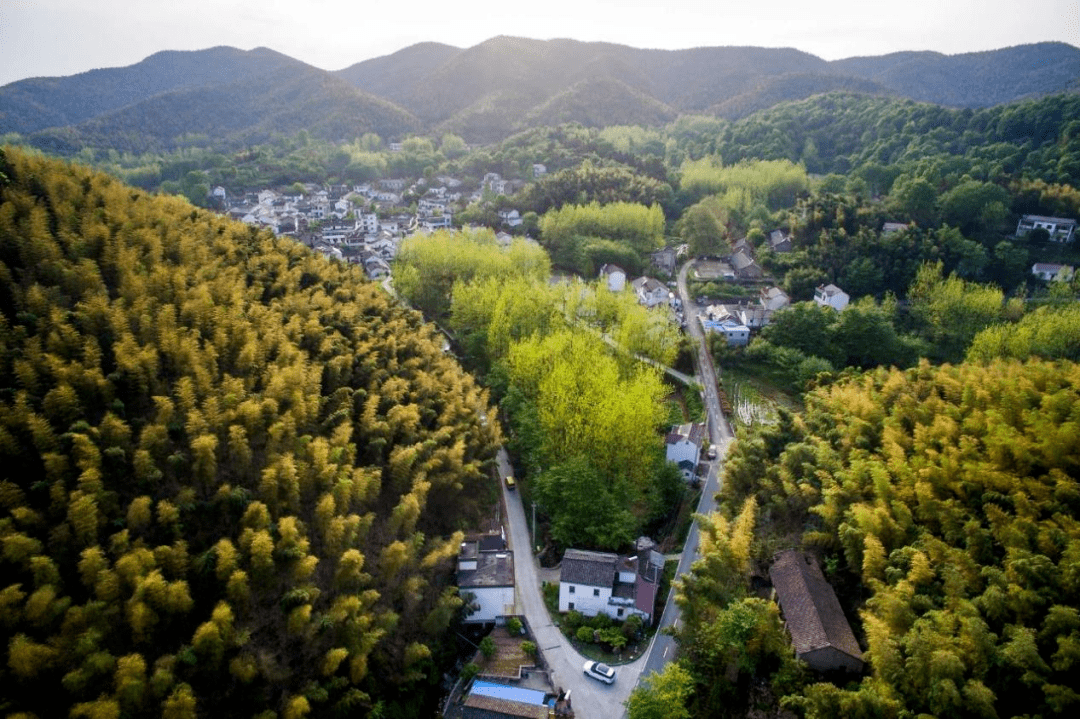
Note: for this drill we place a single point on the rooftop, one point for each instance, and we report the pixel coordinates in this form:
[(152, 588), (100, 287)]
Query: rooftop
[(493, 569), (813, 614), (595, 569)]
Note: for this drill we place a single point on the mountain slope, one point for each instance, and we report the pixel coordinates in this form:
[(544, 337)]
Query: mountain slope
[(978, 79), (37, 103), (493, 89)]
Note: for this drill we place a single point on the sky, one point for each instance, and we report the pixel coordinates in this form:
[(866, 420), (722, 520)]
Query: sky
[(41, 38)]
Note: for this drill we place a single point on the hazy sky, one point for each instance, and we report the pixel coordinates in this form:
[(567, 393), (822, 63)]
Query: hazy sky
[(64, 37)]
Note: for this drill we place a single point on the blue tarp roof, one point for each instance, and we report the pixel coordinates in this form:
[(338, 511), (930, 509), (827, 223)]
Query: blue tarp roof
[(505, 691)]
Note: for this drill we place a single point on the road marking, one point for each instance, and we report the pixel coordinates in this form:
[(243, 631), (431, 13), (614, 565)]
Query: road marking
[(666, 650)]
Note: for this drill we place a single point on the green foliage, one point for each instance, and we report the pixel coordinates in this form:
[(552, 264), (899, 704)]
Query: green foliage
[(469, 671), (952, 311), (487, 647), (639, 227), (939, 489), (222, 453), (1048, 332), (663, 695), (585, 635), (426, 268)]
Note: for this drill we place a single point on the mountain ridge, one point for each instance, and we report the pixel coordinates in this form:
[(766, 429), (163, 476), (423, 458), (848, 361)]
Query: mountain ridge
[(495, 88)]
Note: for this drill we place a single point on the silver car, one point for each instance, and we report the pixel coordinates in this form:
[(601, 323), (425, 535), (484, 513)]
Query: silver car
[(603, 672)]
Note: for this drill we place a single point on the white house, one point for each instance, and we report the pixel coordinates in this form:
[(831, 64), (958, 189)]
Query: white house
[(485, 575), (774, 299), (650, 292), (603, 583), (737, 333), (1060, 228), (1052, 272), (831, 296), (682, 445), (510, 217), (615, 276), (539, 170)]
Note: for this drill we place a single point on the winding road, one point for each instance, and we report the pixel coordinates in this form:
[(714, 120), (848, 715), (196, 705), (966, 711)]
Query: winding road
[(590, 698)]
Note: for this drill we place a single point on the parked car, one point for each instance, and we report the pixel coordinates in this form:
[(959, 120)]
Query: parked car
[(711, 454), (601, 672), (510, 483)]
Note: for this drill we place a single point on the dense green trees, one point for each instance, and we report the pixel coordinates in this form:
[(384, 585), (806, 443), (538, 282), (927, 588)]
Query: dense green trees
[(945, 498), (222, 459)]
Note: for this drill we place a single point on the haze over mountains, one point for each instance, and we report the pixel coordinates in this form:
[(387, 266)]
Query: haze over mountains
[(489, 91)]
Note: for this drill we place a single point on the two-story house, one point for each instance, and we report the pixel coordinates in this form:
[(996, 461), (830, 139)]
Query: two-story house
[(604, 583), (485, 577), (831, 296)]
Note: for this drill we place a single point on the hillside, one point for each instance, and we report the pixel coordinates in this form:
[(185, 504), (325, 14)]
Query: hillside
[(491, 90), (233, 471), (227, 95), (516, 76), (977, 79), (34, 104), (250, 111)]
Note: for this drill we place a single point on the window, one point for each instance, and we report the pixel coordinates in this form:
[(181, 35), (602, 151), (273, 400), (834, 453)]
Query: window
[(572, 587), (620, 611), (571, 606), (596, 592)]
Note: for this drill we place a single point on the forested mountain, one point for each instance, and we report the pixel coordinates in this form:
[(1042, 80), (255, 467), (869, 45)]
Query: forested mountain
[(219, 96), (233, 471), (974, 79), (37, 103), (503, 85)]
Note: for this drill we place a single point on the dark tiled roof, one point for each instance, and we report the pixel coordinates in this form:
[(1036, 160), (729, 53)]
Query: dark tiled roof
[(595, 569), (812, 611), (493, 569), (482, 707)]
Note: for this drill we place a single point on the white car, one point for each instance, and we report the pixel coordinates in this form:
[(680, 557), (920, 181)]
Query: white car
[(603, 672)]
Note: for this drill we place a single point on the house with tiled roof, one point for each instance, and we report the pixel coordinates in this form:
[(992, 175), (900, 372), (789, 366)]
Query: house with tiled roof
[(820, 633), (682, 445), (831, 296), (485, 575), (604, 583), (1051, 272)]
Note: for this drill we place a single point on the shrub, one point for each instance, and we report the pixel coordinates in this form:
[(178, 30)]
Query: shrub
[(487, 647), (469, 671), (529, 648), (513, 625), (585, 635), (572, 620), (602, 621)]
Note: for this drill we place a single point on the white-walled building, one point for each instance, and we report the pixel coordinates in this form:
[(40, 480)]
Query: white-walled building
[(682, 445), (831, 296), (604, 583), (1061, 229), (615, 277), (485, 573)]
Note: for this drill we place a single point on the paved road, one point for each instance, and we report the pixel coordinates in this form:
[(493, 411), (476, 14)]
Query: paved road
[(591, 699)]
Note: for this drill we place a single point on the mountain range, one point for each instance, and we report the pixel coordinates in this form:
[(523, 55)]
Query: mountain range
[(486, 92)]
